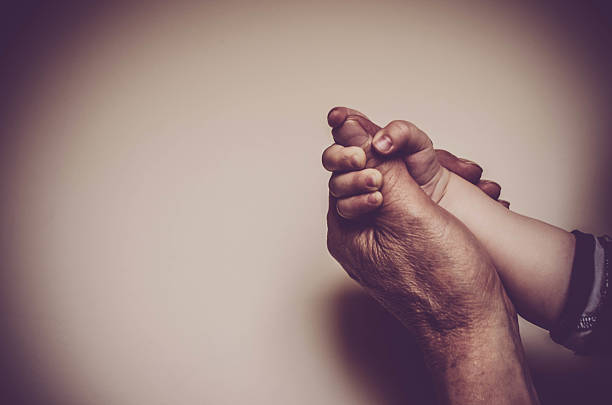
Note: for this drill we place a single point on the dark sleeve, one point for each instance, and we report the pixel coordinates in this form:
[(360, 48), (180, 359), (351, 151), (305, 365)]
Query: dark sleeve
[(600, 340), (585, 325)]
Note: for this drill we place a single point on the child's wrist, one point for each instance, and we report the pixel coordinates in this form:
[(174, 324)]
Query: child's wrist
[(437, 186)]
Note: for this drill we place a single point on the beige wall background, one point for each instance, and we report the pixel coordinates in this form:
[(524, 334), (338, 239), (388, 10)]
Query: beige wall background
[(163, 233)]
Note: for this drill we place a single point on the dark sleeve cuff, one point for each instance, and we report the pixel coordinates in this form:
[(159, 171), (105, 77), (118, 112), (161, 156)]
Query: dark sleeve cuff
[(585, 325), (599, 341), (580, 287)]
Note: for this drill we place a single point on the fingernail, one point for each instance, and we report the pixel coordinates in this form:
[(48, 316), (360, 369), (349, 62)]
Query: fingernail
[(374, 198), (371, 181), (383, 144)]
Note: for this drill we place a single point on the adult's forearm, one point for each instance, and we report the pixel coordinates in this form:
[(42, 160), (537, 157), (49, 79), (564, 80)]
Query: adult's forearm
[(481, 365)]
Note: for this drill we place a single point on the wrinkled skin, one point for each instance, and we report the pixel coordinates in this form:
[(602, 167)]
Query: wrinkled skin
[(410, 254)]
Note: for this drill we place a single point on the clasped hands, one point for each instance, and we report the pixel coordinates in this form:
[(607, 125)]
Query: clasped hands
[(388, 231), (388, 228)]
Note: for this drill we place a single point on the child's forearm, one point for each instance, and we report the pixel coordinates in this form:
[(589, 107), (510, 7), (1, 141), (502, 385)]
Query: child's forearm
[(534, 259)]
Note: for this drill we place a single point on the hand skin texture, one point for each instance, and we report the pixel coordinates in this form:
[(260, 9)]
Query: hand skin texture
[(428, 269), (534, 259)]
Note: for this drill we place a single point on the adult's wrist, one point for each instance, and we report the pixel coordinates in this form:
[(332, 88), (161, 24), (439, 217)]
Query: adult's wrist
[(480, 363)]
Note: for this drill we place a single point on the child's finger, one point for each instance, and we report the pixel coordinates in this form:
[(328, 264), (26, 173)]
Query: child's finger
[(353, 207), (404, 139), (353, 183), (400, 137), (341, 158)]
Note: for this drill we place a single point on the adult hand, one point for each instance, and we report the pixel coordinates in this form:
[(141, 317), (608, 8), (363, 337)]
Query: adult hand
[(409, 239), (340, 160), (425, 267)]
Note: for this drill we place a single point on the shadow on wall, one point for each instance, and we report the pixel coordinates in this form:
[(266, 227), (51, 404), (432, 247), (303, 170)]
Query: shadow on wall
[(382, 358), (378, 353), (579, 386)]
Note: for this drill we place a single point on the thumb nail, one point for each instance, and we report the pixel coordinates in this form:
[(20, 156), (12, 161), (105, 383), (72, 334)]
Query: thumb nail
[(383, 144)]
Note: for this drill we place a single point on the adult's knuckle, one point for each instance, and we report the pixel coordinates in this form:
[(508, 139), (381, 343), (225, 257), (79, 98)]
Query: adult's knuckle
[(357, 180), (362, 179), (332, 184), (332, 246), (347, 159), (346, 208), (340, 209), (327, 158)]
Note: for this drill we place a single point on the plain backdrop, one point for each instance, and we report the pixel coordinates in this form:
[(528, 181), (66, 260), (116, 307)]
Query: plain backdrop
[(163, 202)]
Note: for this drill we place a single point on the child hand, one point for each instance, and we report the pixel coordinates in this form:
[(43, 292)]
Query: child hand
[(356, 187)]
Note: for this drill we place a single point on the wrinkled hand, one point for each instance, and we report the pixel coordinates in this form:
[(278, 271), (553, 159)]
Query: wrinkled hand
[(351, 179), (414, 257), (424, 265)]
